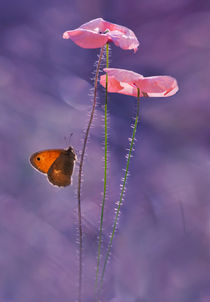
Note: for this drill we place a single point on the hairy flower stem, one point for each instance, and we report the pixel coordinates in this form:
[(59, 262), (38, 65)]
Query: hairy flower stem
[(80, 174), (105, 172), (122, 191)]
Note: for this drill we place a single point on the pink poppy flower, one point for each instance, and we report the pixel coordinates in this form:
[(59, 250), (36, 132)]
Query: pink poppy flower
[(98, 32), (126, 82)]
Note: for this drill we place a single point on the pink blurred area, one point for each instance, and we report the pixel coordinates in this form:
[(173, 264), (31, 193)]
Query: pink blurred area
[(161, 250)]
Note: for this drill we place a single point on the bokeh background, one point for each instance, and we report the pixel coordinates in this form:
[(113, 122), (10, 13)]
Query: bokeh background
[(162, 248)]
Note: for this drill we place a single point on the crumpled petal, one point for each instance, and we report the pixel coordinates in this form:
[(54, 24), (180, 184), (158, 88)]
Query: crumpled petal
[(98, 32), (125, 39), (113, 84), (158, 86), (118, 87), (126, 82)]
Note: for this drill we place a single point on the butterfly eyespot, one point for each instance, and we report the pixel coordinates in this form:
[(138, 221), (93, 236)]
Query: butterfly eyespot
[(38, 158)]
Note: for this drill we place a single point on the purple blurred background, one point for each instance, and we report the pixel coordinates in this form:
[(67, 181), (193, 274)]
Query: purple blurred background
[(162, 249)]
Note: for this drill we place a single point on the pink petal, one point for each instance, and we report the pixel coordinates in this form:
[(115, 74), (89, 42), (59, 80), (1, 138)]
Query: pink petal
[(117, 86), (98, 32), (158, 86), (123, 75), (86, 38), (97, 25), (122, 36), (113, 84)]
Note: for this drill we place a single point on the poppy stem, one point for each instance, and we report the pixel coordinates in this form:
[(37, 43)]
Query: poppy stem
[(105, 172), (122, 191), (80, 174)]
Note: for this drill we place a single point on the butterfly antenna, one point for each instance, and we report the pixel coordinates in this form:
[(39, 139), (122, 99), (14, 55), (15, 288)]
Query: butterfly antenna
[(68, 140), (70, 136)]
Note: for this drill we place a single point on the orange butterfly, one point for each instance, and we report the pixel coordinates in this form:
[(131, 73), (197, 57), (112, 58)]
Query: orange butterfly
[(58, 164)]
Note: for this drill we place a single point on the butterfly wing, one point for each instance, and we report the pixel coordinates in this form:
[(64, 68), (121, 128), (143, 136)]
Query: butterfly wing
[(43, 160), (61, 170)]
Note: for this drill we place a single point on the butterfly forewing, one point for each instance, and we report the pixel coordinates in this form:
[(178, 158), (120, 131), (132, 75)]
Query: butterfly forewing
[(43, 160)]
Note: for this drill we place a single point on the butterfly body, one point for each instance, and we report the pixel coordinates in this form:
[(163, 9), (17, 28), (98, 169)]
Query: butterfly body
[(58, 164)]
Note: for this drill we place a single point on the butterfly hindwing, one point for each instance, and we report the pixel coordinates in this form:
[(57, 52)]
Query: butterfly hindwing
[(61, 170)]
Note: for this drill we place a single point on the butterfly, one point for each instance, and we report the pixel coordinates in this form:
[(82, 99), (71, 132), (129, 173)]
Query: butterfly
[(58, 164)]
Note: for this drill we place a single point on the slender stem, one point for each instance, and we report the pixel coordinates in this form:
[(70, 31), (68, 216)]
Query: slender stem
[(122, 191), (105, 173), (80, 174)]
